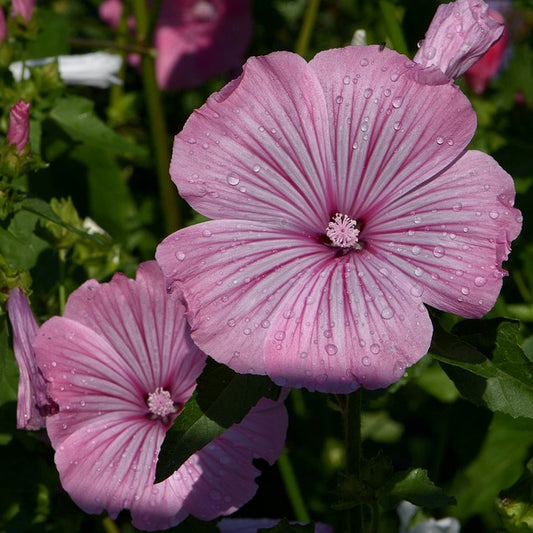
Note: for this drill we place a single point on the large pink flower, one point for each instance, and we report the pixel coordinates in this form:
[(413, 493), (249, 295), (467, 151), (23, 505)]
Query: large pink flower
[(344, 200), (120, 364), (195, 39), (34, 403)]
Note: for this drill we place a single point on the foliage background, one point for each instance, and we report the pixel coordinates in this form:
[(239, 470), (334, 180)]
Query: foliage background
[(471, 432)]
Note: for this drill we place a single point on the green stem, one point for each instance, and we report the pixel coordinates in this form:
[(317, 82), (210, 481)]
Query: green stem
[(62, 276), (308, 24), (292, 488), (158, 129), (352, 443), (109, 525), (393, 27)]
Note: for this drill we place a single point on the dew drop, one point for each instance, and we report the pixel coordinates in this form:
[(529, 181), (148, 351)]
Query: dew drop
[(465, 291), (494, 215), (265, 324), (256, 168), (346, 80), (280, 335), (374, 348), (387, 313), (231, 322), (397, 126), (233, 180), (364, 62), (418, 272), (366, 360), (206, 233), (439, 140), (438, 251), (339, 99), (480, 281), (331, 349), (397, 102), (367, 93), (303, 355), (415, 250), (247, 331), (416, 291), (180, 256), (394, 76)]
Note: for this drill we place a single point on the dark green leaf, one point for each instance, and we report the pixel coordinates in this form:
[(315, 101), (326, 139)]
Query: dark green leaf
[(487, 365), (8, 366), (415, 487), (76, 117), (222, 398), (498, 465)]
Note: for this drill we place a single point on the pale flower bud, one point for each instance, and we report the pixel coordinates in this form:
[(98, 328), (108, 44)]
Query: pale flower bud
[(22, 7), (19, 125)]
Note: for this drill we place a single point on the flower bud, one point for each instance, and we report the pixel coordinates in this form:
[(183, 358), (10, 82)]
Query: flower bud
[(19, 125), (22, 7)]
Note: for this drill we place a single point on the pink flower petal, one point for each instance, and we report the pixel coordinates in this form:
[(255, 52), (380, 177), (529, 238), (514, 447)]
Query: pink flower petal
[(245, 150), (223, 469), (34, 402), (451, 235), (389, 134), (459, 34)]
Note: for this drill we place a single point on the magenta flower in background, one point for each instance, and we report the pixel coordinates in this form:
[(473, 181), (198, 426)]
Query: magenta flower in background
[(194, 39), (3, 26), (459, 34), (18, 132), (24, 8), (343, 201), (120, 364), (34, 403)]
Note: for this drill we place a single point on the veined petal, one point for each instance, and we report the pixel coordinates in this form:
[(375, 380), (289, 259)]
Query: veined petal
[(351, 323), (110, 463), (451, 235), (233, 275), (86, 377), (144, 325), (389, 131), (260, 148)]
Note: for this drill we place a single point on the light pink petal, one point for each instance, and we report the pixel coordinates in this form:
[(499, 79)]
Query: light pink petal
[(451, 235), (86, 377), (233, 275), (34, 402), (144, 325), (459, 34), (110, 463), (260, 155), (219, 479), (389, 131), (347, 323), (19, 125)]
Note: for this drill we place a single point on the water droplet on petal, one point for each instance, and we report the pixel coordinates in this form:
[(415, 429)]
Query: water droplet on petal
[(280, 335), (233, 180), (387, 313), (206, 233), (364, 62), (438, 251), (397, 102), (265, 324), (465, 291), (231, 322), (180, 256), (339, 99), (367, 93), (331, 349), (494, 215), (374, 348), (256, 168), (397, 126), (439, 140), (346, 80), (366, 361), (480, 281)]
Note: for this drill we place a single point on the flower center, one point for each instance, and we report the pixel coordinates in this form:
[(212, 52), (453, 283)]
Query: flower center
[(342, 231), (160, 405), (204, 11)]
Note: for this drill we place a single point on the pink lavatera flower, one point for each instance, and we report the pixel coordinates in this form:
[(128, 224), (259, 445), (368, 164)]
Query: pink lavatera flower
[(344, 200), (459, 34), (34, 404), (3, 26), (120, 364), (194, 39), (18, 132)]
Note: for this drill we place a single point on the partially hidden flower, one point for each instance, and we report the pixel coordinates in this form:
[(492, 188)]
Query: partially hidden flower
[(479, 75), (34, 403), (406, 513), (96, 69), (24, 8), (459, 34), (194, 39), (253, 525), (120, 364), (343, 201), (18, 132)]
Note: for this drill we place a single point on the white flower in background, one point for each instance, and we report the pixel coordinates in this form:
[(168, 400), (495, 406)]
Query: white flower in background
[(98, 69), (407, 511), (359, 38)]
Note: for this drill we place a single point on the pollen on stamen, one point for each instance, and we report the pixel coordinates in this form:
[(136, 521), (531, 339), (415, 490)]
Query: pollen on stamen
[(160, 405), (343, 232)]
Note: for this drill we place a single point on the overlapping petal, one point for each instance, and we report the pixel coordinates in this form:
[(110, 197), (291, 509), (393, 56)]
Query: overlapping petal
[(269, 155), (389, 133), (451, 235)]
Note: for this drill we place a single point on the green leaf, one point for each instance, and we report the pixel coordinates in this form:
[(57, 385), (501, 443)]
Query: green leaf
[(393, 27), (498, 465), (222, 398), (415, 487), (487, 365), (76, 116)]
